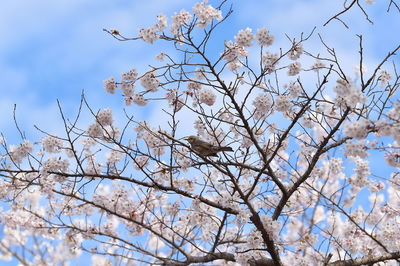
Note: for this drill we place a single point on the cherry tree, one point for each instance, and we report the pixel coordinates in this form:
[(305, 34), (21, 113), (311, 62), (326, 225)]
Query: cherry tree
[(292, 192)]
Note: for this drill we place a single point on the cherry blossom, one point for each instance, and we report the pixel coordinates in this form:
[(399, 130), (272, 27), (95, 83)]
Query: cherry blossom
[(178, 20), (263, 37), (296, 51), (205, 14), (294, 69), (308, 172), (52, 144), (245, 38), (207, 96), (18, 153), (262, 104), (385, 78), (110, 85)]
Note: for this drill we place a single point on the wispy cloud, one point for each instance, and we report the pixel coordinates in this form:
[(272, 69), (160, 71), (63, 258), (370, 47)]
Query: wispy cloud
[(55, 49)]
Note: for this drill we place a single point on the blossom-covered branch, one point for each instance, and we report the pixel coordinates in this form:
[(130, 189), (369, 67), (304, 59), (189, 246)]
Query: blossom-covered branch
[(295, 139)]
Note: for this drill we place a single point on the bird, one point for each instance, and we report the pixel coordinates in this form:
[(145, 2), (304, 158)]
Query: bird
[(204, 148)]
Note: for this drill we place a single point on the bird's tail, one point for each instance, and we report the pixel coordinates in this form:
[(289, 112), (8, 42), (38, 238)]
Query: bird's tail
[(225, 149)]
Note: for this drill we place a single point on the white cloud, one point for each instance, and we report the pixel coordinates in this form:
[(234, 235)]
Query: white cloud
[(54, 49)]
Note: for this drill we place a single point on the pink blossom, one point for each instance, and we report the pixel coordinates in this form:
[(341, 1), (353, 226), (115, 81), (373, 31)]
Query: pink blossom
[(207, 96), (262, 105), (294, 69), (245, 38), (205, 14), (149, 81), (110, 85), (139, 100), (296, 51), (263, 37)]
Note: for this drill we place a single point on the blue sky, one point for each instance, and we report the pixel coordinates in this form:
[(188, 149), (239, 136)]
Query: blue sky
[(55, 49)]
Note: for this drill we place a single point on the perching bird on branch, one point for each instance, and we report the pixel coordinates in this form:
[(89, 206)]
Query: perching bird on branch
[(204, 148)]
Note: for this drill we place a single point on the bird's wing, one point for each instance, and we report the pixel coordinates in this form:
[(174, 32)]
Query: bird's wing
[(205, 145)]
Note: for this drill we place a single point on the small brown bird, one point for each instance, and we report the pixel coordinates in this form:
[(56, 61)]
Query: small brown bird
[(204, 148)]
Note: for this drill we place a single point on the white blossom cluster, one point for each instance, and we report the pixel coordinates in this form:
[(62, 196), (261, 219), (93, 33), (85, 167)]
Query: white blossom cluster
[(317, 65), (234, 66), (282, 103), (54, 165), (161, 173), (245, 38), (183, 160), (161, 24), (152, 139), (232, 54), (207, 96), (110, 85), (270, 60), (272, 227), (150, 35), (263, 37), (335, 167), (357, 129), (356, 149), (18, 153), (149, 81), (385, 78), (129, 76), (92, 166), (193, 87), (205, 14), (294, 69), (375, 187), (175, 101), (52, 144), (254, 241), (394, 113), (178, 20), (296, 51), (383, 128), (234, 51), (348, 94), (160, 57), (262, 106), (105, 117), (98, 260), (117, 199), (200, 127), (114, 156), (139, 99), (307, 122), (111, 133), (128, 89), (95, 130), (140, 162), (360, 178), (294, 89), (103, 126), (392, 158), (128, 79)]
